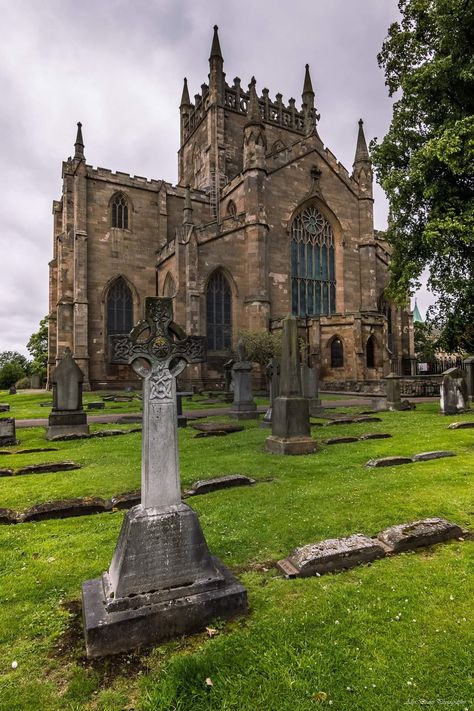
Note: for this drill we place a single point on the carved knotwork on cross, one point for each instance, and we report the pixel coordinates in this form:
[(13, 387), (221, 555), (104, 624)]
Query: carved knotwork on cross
[(158, 340)]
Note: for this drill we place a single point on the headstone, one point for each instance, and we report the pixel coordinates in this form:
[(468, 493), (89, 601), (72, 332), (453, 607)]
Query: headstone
[(291, 433), (182, 419), (392, 390), (243, 405), (272, 372), (469, 365), (407, 536), (162, 581), (228, 381), (453, 394), (309, 389), (333, 554), (35, 381), (12, 390), (96, 405), (67, 416), (7, 431)]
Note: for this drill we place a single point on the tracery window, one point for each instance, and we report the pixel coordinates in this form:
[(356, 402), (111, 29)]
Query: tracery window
[(119, 209), (370, 352), (219, 313), (313, 280), (337, 353), (119, 308)]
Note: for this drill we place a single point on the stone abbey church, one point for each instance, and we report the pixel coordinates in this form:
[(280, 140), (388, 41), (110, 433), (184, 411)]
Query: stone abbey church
[(264, 221)]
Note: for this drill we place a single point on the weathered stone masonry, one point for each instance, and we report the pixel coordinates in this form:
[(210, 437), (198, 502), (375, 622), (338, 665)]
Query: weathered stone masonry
[(263, 221)]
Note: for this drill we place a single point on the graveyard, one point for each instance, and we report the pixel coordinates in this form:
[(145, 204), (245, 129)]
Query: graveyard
[(379, 635)]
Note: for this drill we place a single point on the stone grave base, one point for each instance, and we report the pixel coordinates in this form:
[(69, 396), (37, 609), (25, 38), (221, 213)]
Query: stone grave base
[(244, 411), (65, 423), (113, 632), (315, 407), (290, 445), (162, 583)]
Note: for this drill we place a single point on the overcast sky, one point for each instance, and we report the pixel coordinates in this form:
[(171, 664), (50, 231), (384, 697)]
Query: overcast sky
[(118, 66)]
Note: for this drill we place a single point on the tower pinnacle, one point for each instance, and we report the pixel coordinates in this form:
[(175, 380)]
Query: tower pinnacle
[(361, 154), (216, 47), (185, 95), (253, 111), (79, 144), (307, 85)]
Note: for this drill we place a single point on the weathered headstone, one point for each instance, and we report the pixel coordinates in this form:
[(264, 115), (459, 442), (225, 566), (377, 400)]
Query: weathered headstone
[(291, 433), (272, 372), (162, 581), (469, 365), (67, 416), (243, 406), (406, 536), (392, 390), (309, 389), (35, 381), (12, 390), (453, 393), (7, 431), (228, 382), (331, 555)]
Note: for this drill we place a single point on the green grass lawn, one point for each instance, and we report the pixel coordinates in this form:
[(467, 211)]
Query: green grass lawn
[(383, 637)]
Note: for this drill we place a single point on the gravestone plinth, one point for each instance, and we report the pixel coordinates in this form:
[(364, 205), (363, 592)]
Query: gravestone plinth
[(7, 431), (291, 432), (243, 405), (163, 581), (392, 392), (67, 416), (453, 392)]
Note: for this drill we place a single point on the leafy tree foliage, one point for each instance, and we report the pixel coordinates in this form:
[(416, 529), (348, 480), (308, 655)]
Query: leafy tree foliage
[(10, 372), (261, 345), (425, 342), (14, 357), (425, 162), (38, 348)]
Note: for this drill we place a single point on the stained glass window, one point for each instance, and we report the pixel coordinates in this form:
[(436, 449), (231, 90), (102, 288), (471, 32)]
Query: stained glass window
[(119, 308), (219, 313), (120, 212), (313, 280), (337, 353)]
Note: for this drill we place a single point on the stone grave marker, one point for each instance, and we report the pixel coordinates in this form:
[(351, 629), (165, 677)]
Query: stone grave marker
[(12, 390), (453, 393), (469, 364), (162, 581), (67, 416), (272, 371), (291, 433), (243, 406), (406, 536), (7, 431), (392, 391), (4, 407), (35, 381), (309, 385), (331, 555), (228, 381)]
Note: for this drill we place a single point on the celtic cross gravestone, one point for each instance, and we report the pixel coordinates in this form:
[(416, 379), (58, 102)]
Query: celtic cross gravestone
[(162, 581)]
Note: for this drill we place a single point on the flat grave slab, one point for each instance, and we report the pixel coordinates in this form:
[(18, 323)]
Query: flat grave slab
[(461, 425), (4, 407), (341, 440), (95, 405), (205, 486), (332, 555), (226, 427), (6, 472), (426, 456), (8, 516), (65, 508), (389, 462), (375, 435), (47, 467), (425, 532), (126, 501)]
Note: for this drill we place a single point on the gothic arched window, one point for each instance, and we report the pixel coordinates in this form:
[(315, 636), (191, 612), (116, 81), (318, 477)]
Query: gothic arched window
[(119, 211), (119, 308), (313, 279), (219, 313), (337, 353), (370, 352)]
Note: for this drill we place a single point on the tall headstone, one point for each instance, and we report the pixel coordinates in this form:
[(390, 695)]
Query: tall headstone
[(228, 382), (35, 381), (243, 406), (162, 581), (309, 388), (453, 393), (291, 432), (392, 392), (469, 364), (67, 416), (273, 378)]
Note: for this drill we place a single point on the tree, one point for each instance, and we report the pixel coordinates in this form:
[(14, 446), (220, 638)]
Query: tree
[(10, 372), (425, 343), (260, 346), (38, 348), (425, 162), (14, 357)]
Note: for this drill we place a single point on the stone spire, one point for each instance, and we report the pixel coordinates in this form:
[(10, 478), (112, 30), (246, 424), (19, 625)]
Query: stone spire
[(216, 47), (216, 71), (185, 102), (79, 144), (308, 93), (361, 154), (308, 102), (253, 111)]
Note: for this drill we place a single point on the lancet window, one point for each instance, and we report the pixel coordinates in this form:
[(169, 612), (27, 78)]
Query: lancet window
[(337, 353), (313, 279), (119, 308), (370, 352), (219, 313), (119, 210)]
